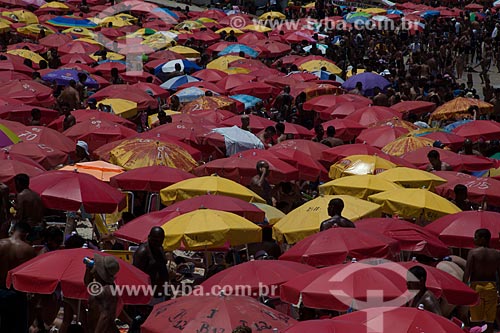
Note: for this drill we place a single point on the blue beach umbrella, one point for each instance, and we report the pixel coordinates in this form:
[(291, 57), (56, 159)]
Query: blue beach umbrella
[(166, 11), (237, 48), (249, 101), (177, 81), (169, 66), (452, 126), (64, 76), (191, 93), (71, 22)]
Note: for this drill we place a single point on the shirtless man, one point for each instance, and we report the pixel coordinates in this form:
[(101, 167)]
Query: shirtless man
[(150, 258), (481, 271), (416, 279), (103, 307), (13, 305), (335, 207), (70, 96), (69, 119), (260, 184), (29, 207), (435, 163)]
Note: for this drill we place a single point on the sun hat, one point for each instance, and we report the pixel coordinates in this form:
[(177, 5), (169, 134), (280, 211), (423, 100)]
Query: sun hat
[(83, 145)]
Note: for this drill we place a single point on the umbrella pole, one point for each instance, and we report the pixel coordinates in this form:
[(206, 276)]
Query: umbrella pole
[(79, 309), (248, 253)]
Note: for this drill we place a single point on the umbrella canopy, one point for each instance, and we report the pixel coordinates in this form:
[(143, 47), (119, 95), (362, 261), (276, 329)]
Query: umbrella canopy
[(458, 162), (335, 154), (214, 102), (406, 144), (98, 132), (218, 202), (474, 130), (273, 214), (369, 81), (311, 148), (71, 21), (382, 319), (258, 273), (249, 101), (207, 185), (336, 245), (412, 178), (457, 230), (150, 178), (29, 92), (143, 100), (372, 114), (459, 107), (65, 268), (359, 165), (87, 114), (175, 82), (479, 190), (120, 107), (7, 137), (99, 169), (235, 139), (210, 75), (242, 169), (237, 48), (138, 152), (325, 326), (380, 136), (360, 186), (441, 283), (12, 167), (257, 123), (453, 141), (208, 228), (306, 219), (345, 286), (46, 155), (224, 312), (411, 237), (414, 203), (63, 77), (46, 136), (414, 107), (70, 191)]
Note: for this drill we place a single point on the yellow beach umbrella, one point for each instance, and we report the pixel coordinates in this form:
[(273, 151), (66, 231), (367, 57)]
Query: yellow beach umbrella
[(189, 25), (99, 169), (358, 71), (207, 185), (373, 11), (154, 117), (137, 153), (257, 28), (55, 5), (185, 51), (412, 178), (84, 32), (110, 56), (207, 228), (4, 27), (236, 70), (310, 5), (306, 219), (157, 44), (121, 107), (114, 21), (206, 20), (227, 30), (21, 16), (273, 214), (360, 186), (272, 15), (406, 144), (27, 54), (459, 107), (414, 203), (127, 17), (143, 33), (35, 30), (359, 165), (223, 62), (317, 65), (89, 40)]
